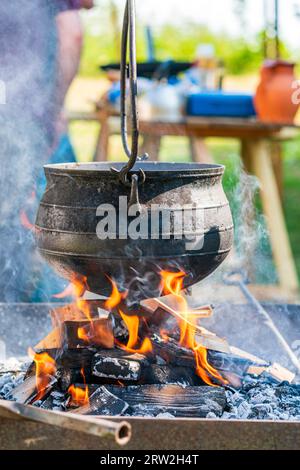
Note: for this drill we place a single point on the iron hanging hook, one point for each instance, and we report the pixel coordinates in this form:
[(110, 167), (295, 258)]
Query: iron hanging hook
[(129, 38)]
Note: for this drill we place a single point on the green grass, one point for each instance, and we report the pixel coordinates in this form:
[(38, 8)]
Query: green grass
[(84, 136)]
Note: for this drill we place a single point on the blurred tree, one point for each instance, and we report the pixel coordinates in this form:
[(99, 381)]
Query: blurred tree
[(242, 54)]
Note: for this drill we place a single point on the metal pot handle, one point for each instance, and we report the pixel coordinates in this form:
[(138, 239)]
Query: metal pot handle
[(129, 36)]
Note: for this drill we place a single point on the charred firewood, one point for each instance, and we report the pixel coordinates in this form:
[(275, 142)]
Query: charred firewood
[(118, 365), (165, 374), (55, 401), (85, 333), (122, 353), (26, 393), (229, 363), (67, 359), (66, 377), (174, 399), (73, 313), (169, 303), (102, 402), (277, 372), (172, 353)]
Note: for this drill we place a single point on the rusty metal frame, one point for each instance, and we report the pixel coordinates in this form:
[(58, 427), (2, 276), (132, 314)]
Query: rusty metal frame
[(156, 434)]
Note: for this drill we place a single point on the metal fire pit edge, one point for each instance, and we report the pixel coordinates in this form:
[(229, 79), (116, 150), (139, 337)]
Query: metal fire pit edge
[(157, 434)]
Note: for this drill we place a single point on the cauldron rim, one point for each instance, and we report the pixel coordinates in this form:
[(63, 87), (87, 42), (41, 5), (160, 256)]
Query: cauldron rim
[(152, 169)]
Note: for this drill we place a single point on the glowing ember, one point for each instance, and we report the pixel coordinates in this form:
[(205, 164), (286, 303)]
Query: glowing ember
[(172, 283), (45, 370), (79, 396)]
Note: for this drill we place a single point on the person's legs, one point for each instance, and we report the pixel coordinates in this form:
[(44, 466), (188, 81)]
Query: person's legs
[(48, 283)]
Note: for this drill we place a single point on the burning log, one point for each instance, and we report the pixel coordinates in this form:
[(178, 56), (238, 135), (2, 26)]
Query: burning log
[(169, 304), (73, 312), (73, 334), (165, 374), (229, 363), (240, 353), (117, 366), (27, 392), (102, 402), (68, 359), (55, 401), (79, 334), (174, 399), (176, 355), (67, 377), (172, 353), (276, 371)]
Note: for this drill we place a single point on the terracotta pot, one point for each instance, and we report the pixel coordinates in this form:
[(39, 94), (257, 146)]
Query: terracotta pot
[(273, 99)]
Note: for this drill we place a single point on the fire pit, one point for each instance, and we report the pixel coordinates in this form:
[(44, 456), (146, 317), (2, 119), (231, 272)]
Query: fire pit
[(158, 392)]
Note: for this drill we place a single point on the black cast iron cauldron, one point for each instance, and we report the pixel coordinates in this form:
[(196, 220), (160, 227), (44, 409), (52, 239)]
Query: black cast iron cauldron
[(67, 220)]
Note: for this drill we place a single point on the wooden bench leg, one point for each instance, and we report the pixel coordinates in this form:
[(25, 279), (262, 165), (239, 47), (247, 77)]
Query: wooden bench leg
[(277, 160), (199, 151), (102, 147), (261, 157), (151, 145), (246, 155), (276, 154)]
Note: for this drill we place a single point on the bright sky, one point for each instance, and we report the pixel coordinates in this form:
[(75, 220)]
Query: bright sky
[(219, 15)]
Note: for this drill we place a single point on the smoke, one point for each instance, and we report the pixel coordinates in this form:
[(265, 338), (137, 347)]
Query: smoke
[(252, 254), (27, 69), (241, 324)]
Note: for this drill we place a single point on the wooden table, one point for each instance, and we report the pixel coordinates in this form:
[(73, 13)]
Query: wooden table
[(261, 155)]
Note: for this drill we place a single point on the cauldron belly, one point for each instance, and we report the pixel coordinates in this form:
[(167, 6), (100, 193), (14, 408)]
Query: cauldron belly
[(195, 241), (135, 265)]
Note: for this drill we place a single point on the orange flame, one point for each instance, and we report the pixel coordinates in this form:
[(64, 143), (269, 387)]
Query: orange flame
[(79, 396), (164, 335), (67, 292), (83, 334), (45, 370), (77, 288), (172, 283), (132, 323), (96, 333), (115, 298)]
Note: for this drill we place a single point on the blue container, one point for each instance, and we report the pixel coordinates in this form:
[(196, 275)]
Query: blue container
[(220, 104)]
